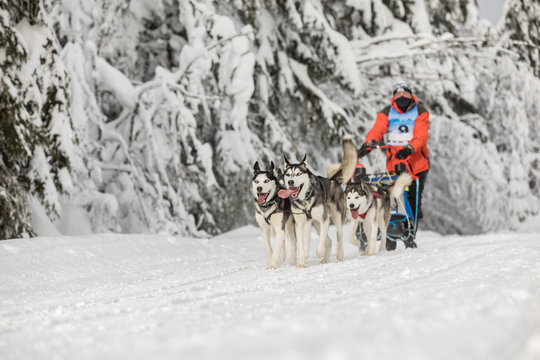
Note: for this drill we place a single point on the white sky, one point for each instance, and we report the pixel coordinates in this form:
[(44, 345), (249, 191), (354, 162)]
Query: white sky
[(491, 9)]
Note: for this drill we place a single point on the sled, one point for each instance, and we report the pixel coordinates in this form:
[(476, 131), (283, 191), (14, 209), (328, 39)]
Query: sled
[(402, 225)]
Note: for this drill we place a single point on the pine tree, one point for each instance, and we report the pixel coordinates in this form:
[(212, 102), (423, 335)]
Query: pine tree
[(33, 104), (522, 26)]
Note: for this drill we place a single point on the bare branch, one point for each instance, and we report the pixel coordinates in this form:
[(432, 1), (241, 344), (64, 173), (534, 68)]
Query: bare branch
[(228, 39), (381, 39)]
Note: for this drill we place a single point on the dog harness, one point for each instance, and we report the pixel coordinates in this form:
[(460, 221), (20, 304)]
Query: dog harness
[(307, 198), (267, 218), (363, 216), (267, 204), (375, 194), (401, 126), (306, 212)]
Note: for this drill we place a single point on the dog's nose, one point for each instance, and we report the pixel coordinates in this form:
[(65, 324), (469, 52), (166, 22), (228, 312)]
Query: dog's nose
[(291, 182), (351, 206), (259, 188)]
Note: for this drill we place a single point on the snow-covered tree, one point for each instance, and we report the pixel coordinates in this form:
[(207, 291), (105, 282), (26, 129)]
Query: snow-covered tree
[(186, 116), (521, 27), (35, 136), (173, 101)]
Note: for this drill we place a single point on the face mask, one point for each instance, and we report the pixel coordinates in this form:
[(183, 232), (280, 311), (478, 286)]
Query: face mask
[(403, 103)]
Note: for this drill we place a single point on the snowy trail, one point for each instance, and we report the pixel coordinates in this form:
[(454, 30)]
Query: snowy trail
[(138, 297)]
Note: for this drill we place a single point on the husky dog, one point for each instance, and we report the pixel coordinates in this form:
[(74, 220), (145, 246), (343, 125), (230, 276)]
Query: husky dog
[(317, 199), (273, 215), (371, 206)]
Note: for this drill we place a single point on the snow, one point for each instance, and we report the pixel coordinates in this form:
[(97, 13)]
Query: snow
[(113, 80), (267, 38), (33, 39), (40, 171), (344, 55), (420, 20), (329, 108), (73, 221), (40, 221), (531, 225), (113, 296)]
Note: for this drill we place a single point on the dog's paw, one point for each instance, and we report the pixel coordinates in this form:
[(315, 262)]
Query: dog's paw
[(339, 257), (320, 253), (301, 266), (271, 267)]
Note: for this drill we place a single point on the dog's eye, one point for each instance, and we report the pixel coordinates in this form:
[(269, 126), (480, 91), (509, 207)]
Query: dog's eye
[(256, 181), (358, 197), (265, 181)]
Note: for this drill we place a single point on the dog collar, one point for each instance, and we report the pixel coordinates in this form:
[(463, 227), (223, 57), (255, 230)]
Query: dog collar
[(363, 216), (307, 198), (268, 203)]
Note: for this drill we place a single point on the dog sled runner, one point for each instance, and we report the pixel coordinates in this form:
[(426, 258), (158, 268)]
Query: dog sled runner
[(403, 219)]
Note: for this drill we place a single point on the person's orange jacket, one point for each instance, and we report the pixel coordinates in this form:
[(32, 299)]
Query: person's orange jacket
[(419, 159)]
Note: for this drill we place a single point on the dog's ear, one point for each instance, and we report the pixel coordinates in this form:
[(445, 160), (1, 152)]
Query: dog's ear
[(271, 166), (280, 177), (256, 167), (287, 162), (364, 186), (303, 162)]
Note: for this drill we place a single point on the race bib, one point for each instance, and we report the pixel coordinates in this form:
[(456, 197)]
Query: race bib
[(401, 126)]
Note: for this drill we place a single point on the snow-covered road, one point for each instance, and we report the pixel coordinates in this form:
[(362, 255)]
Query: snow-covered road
[(140, 297)]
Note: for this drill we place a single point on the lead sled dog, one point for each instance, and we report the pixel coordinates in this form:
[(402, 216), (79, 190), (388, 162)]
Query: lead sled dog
[(371, 207), (316, 199), (273, 214)]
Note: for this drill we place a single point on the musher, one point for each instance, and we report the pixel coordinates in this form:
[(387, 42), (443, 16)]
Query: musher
[(406, 124)]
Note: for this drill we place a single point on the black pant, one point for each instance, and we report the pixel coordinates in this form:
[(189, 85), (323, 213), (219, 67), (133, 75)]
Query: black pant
[(412, 193)]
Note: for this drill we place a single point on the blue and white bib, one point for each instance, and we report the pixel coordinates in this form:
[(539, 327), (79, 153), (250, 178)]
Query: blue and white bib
[(401, 126)]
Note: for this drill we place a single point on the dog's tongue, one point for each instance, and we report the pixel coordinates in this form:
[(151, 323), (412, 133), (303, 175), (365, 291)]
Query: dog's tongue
[(261, 199), (354, 213), (285, 193)]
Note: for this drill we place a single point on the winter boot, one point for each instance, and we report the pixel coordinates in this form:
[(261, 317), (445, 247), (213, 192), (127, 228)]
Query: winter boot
[(409, 242)]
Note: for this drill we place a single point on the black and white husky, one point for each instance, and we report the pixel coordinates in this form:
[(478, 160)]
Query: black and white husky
[(371, 206), (316, 199), (273, 215)]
